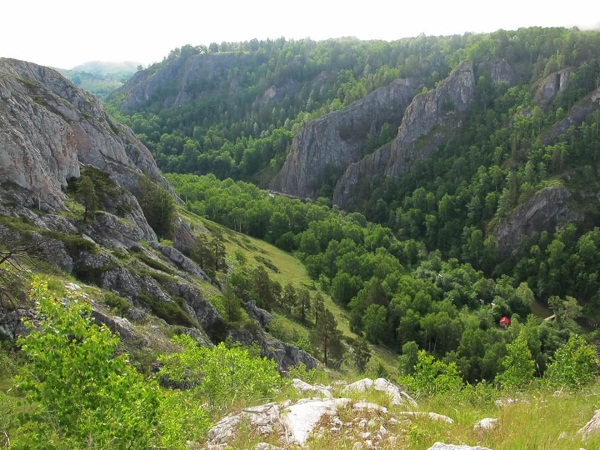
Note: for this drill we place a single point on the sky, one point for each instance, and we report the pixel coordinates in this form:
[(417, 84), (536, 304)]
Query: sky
[(66, 33)]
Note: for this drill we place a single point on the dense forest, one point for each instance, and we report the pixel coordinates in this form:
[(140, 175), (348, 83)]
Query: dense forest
[(414, 260)]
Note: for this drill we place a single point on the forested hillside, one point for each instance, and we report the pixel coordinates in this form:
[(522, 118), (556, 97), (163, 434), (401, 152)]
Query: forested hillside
[(510, 186)]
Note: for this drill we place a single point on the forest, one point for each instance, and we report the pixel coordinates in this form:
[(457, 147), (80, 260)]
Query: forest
[(414, 260)]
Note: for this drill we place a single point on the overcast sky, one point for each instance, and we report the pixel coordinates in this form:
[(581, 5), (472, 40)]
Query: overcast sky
[(65, 33)]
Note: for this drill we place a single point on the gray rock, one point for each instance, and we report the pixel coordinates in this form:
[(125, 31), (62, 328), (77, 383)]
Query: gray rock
[(265, 419), (117, 325), (182, 261), (333, 142), (592, 426), (51, 129), (397, 396), (262, 316), (551, 86), (548, 210), (114, 232), (429, 119), (488, 423), (305, 388)]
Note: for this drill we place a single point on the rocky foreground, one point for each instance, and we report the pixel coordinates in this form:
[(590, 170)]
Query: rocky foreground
[(320, 419)]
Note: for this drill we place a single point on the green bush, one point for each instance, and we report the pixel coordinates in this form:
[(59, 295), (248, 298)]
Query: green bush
[(573, 365), (221, 376), (431, 377), (82, 394), (518, 364)]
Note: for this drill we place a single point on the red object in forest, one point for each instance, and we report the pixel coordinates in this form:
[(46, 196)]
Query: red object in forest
[(504, 322)]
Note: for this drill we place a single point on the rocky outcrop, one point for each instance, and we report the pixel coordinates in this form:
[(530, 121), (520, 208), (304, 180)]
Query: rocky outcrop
[(49, 128), (325, 147), (179, 80), (551, 86), (429, 120), (356, 424), (548, 210), (285, 355), (501, 72), (592, 427), (580, 112), (397, 396)]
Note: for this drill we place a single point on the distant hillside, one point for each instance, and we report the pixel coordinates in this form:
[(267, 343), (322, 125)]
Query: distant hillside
[(99, 77)]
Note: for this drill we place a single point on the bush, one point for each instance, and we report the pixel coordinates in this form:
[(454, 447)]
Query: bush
[(221, 376), (82, 394), (158, 206), (432, 377), (518, 364), (573, 365)]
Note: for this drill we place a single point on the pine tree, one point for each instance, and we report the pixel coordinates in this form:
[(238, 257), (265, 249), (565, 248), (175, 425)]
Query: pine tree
[(327, 338), (86, 194)]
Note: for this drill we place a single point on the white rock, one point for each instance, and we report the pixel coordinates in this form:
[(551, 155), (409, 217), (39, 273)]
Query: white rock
[(592, 426), (441, 446), (486, 424), (304, 388), (368, 406), (301, 418)]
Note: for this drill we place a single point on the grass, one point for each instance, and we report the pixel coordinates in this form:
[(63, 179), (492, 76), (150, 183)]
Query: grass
[(539, 419)]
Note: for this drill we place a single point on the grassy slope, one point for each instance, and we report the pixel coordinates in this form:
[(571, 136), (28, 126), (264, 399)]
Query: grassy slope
[(290, 270)]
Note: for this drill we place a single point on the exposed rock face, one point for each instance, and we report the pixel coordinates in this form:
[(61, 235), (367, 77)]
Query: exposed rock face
[(551, 86), (49, 128), (501, 72), (285, 355), (183, 76), (548, 210), (295, 423), (579, 113), (428, 121), (329, 144)]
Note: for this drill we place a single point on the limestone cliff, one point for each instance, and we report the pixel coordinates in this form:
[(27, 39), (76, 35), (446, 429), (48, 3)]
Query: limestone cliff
[(178, 80), (548, 210), (49, 128), (331, 143), (428, 121)]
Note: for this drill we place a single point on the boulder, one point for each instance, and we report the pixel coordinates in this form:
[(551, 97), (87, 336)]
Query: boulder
[(486, 424), (396, 395), (592, 426), (265, 419), (305, 388)]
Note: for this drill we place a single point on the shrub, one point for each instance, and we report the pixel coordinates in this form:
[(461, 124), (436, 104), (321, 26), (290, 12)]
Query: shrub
[(431, 376), (573, 365), (221, 376), (82, 394), (518, 364)]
